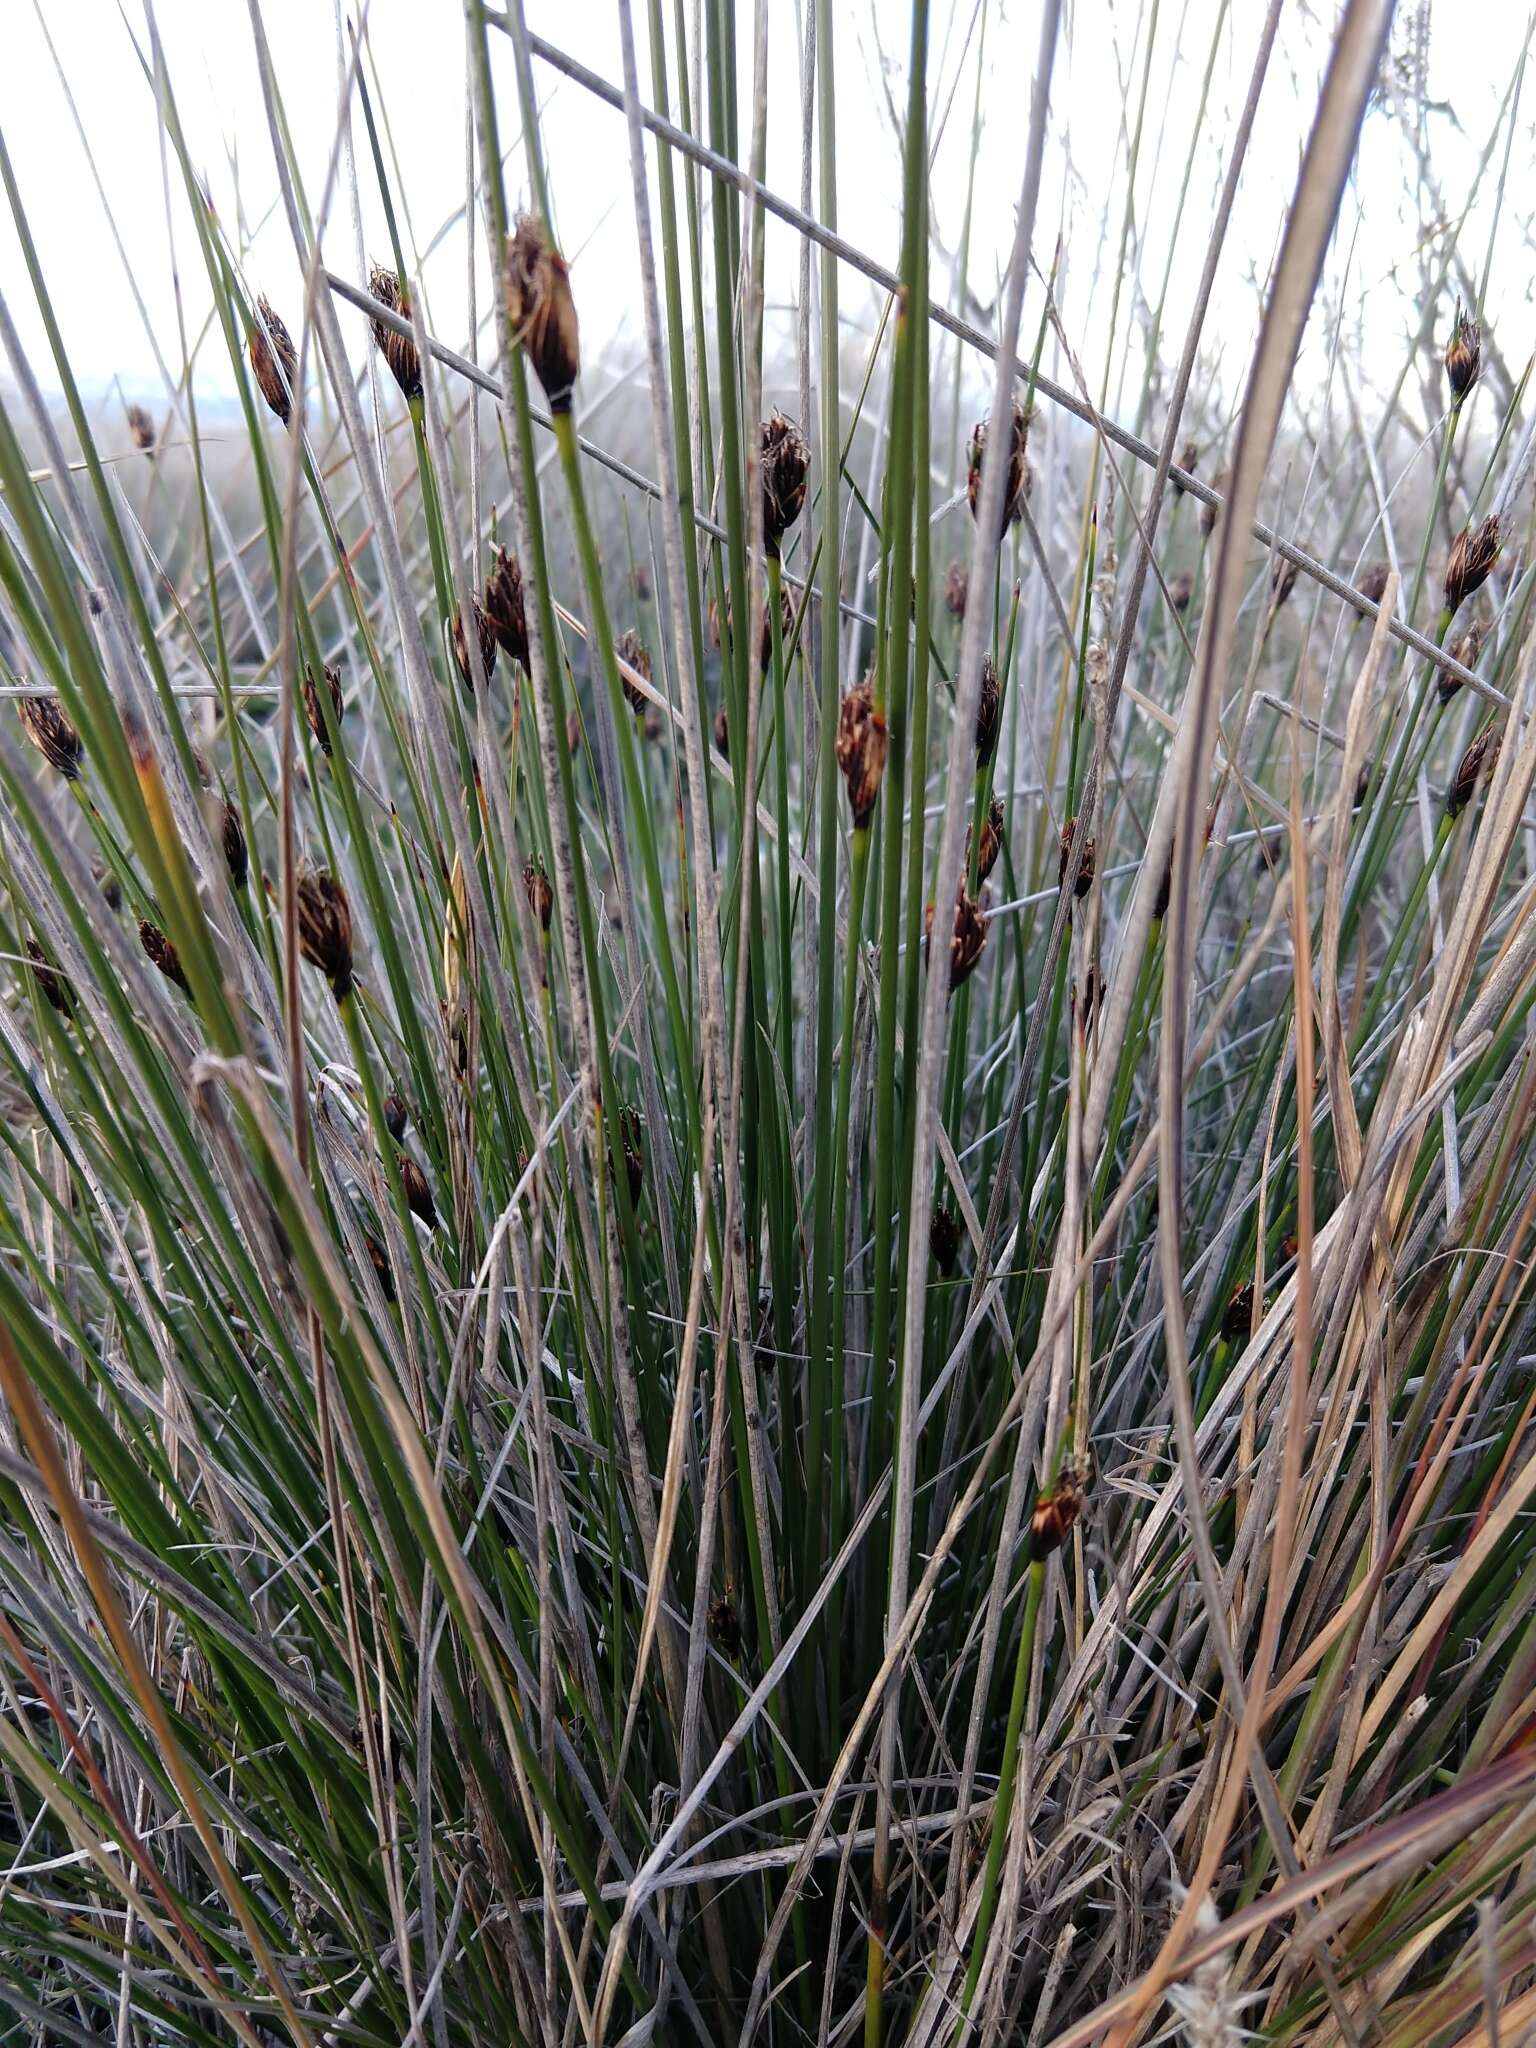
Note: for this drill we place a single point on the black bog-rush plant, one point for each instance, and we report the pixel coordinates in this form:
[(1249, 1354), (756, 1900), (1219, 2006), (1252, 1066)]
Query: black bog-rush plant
[(769, 1194)]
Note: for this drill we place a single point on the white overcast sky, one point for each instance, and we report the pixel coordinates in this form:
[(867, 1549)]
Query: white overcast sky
[(417, 59)]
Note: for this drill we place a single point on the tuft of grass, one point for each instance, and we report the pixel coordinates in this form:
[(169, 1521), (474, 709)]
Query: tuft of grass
[(767, 1203)]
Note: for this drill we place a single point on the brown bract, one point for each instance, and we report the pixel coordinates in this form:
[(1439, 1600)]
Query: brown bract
[(785, 461), (51, 982), (232, 838), (968, 936), (505, 607), (1017, 485), (989, 712), (398, 350), (862, 743), (542, 311), (163, 954), (991, 839), (634, 654), (1463, 355), (1054, 1515), (944, 1237), (1473, 554), (274, 360), (51, 733), (1085, 870), (1475, 765), (485, 633), (313, 713), (325, 927), (540, 893)]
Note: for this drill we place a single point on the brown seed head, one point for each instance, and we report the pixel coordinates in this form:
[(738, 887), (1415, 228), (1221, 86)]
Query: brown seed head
[(1465, 649), (313, 713), (722, 734), (957, 584), (1237, 1316), (1017, 486), (485, 633), (640, 582), (232, 837), (1473, 554), (1181, 590), (1210, 514), (51, 733), (1164, 891), (725, 1627), (1282, 580), (163, 954), (418, 1196), (540, 892), (991, 839), (1463, 355), (634, 654), (542, 310), (1086, 869), (1189, 462), (968, 938), (142, 428), (1362, 787), (325, 928), (1475, 765), (1054, 1516), (989, 712), (398, 350), (862, 742), (378, 1258), (944, 1237), (504, 605), (1373, 581), (274, 360), (396, 1116), (109, 885), (52, 982), (785, 461)]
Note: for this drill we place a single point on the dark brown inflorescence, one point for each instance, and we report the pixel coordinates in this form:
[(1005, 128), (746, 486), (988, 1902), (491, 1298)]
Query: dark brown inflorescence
[(1181, 590), (396, 1116), (485, 633), (1210, 514), (398, 350), (1465, 649), (634, 654), (418, 1196), (51, 980), (1055, 1514), (1088, 998), (504, 605), (163, 954), (1188, 462), (378, 1258), (274, 360), (991, 839), (1473, 554), (1086, 869), (542, 311), (325, 928), (944, 1237), (957, 584), (540, 893), (722, 734), (1237, 1316), (313, 713), (1373, 581), (968, 936), (51, 733), (1475, 766), (862, 742), (785, 460), (989, 712), (142, 428), (1017, 484), (1282, 580), (1463, 354), (232, 838)]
